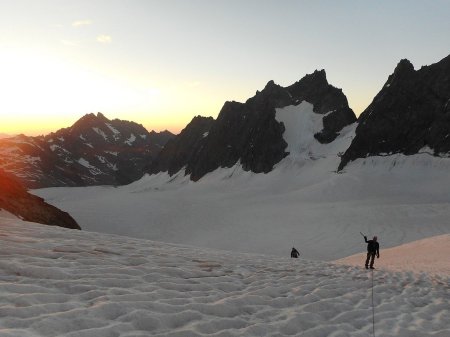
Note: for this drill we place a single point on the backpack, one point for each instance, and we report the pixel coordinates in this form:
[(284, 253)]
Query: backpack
[(371, 247)]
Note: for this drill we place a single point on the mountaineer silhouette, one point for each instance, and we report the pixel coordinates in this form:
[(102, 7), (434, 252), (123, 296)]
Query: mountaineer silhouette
[(373, 248), (294, 253)]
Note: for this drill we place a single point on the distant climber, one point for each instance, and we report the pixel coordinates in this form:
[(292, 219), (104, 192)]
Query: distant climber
[(373, 248), (294, 253)]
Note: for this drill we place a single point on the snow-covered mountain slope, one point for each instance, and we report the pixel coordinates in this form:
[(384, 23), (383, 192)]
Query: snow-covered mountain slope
[(64, 283), (302, 202)]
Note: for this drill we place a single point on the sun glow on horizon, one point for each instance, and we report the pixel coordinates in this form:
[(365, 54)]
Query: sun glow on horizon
[(43, 93), (160, 63)]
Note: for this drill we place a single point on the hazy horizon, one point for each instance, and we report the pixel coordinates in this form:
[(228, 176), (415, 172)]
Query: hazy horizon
[(160, 64), (8, 134)]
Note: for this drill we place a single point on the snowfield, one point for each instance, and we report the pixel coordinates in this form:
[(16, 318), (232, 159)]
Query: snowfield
[(303, 202), (423, 256), (239, 281), (56, 282)]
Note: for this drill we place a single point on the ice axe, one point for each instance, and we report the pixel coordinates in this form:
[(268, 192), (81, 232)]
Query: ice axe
[(362, 235)]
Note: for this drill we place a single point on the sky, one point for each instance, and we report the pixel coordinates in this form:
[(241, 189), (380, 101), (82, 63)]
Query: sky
[(160, 63)]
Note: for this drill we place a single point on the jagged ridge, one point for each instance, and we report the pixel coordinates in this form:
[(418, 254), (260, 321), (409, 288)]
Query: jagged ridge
[(411, 112), (93, 151), (249, 133)]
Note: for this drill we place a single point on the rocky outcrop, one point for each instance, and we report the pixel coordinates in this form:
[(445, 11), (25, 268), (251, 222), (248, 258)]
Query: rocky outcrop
[(15, 199), (327, 100), (410, 113), (245, 132), (249, 133), (159, 139), (181, 150), (93, 151)]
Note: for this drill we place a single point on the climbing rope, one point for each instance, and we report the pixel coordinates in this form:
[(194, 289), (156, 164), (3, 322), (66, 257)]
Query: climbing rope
[(373, 311)]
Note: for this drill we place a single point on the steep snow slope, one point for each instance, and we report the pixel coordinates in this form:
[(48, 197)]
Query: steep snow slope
[(302, 202), (66, 283)]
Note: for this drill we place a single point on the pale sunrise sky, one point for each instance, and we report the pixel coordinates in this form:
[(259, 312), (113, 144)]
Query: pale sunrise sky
[(159, 63)]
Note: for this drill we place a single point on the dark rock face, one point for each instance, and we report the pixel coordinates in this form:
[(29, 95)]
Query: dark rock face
[(159, 139), (248, 132), (180, 151), (93, 151), (327, 100), (15, 199), (411, 111)]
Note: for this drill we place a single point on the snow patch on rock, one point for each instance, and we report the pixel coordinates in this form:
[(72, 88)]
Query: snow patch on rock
[(94, 170), (116, 133), (131, 140), (301, 123), (100, 132)]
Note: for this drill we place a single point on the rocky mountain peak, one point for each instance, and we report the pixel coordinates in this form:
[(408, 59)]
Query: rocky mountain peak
[(404, 66), (89, 120), (101, 116), (269, 85), (272, 95), (315, 89), (160, 139), (249, 133), (182, 149), (316, 81), (326, 99), (93, 151), (318, 76), (402, 72), (407, 115)]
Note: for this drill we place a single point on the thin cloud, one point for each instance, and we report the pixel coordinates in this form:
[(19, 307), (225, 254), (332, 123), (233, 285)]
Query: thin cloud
[(80, 23), (105, 39)]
